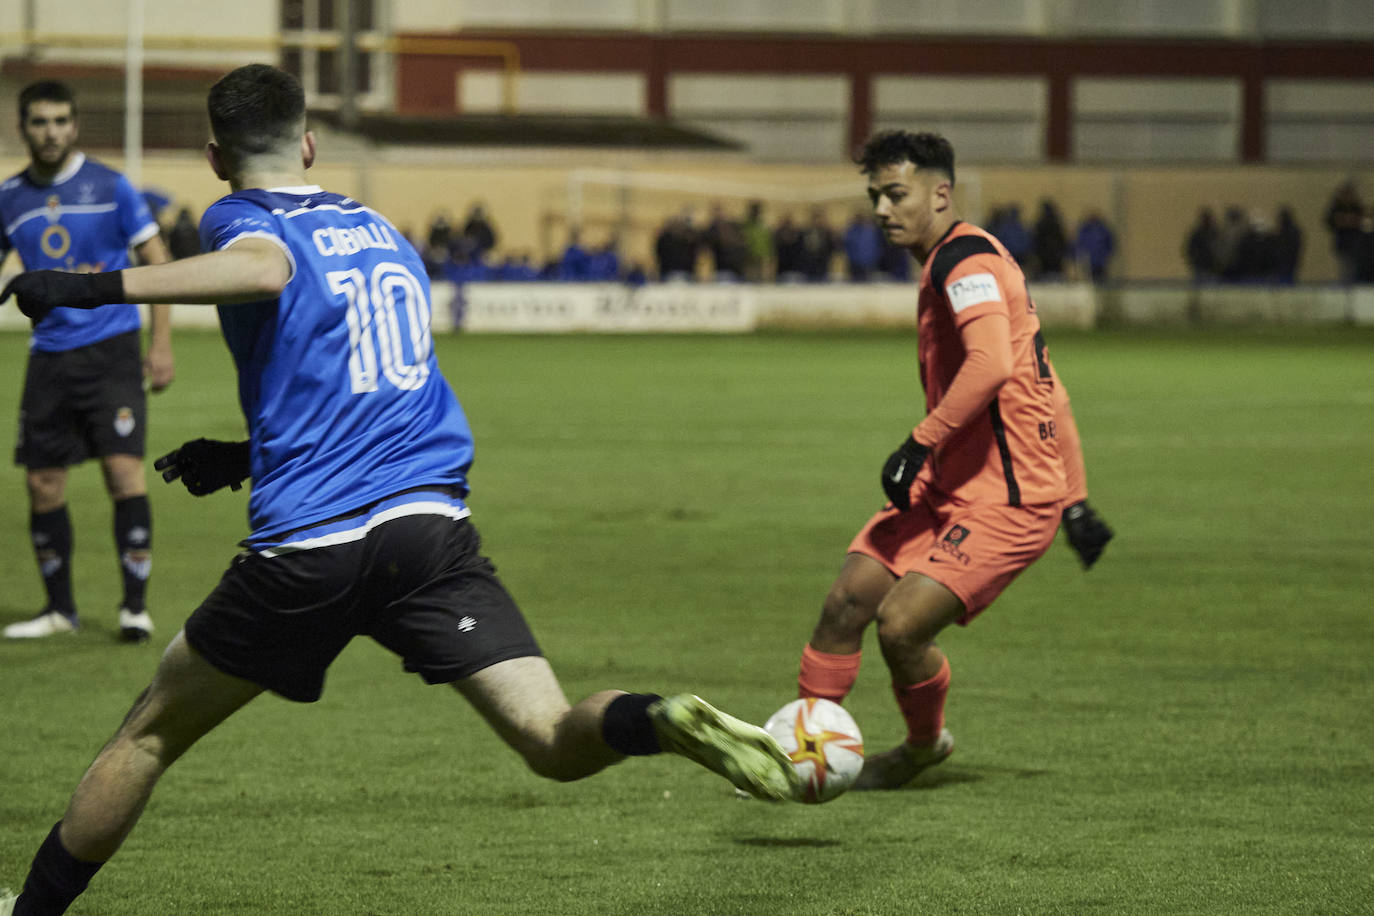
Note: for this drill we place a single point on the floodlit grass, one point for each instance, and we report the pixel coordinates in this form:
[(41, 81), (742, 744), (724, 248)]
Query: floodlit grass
[(1185, 729)]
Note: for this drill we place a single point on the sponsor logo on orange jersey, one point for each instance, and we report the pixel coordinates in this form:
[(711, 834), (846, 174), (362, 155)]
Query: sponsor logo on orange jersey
[(952, 543)]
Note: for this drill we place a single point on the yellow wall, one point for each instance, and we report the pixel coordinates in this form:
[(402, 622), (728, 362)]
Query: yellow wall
[(527, 196)]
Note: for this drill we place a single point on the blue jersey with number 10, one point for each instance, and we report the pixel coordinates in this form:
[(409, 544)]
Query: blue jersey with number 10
[(337, 377)]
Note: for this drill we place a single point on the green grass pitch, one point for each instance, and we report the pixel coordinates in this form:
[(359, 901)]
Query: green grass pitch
[(1189, 728)]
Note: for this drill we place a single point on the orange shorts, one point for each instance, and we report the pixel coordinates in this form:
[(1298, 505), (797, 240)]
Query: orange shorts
[(974, 550)]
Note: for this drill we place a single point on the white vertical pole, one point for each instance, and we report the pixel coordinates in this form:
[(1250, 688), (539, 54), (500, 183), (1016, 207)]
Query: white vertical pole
[(574, 199), (651, 15), (133, 95)]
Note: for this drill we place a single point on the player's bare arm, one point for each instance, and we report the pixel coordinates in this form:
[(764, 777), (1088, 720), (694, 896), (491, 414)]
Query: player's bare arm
[(158, 366), (249, 270)]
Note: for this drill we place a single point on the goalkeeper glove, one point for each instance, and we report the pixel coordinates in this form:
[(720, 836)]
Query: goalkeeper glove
[(899, 472), (206, 465), (38, 292), (1088, 534)]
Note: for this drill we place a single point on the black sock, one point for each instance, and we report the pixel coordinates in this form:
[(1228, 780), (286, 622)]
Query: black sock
[(133, 532), (51, 533), (626, 726), (56, 878)]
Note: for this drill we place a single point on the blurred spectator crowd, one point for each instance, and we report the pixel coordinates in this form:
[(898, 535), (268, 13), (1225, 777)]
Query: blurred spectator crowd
[(723, 249), (1242, 246), (746, 248), (1351, 225), (1249, 247), (1046, 251)]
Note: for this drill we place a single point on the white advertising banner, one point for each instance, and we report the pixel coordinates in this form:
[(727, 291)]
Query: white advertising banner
[(553, 308), (604, 307), (681, 307)]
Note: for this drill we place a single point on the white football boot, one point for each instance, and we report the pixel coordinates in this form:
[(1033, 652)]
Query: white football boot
[(47, 623), (134, 626), (7, 900)]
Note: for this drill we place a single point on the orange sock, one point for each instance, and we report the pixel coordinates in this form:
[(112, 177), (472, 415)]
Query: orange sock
[(827, 676), (923, 707)]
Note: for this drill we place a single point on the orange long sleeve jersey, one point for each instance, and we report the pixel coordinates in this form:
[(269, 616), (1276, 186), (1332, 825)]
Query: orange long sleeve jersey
[(994, 403)]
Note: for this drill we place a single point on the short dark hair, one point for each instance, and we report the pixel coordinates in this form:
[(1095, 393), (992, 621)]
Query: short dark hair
[(893, 147), (255, 109), (45, 91)]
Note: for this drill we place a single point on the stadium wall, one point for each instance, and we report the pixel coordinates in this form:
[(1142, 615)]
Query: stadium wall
[(533, 197)]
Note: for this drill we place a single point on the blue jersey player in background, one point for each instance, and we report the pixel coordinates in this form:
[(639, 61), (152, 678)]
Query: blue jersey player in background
[(358, 454), (83, 390)]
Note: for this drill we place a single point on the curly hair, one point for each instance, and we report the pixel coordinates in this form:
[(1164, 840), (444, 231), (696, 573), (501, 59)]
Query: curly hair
[(892, 147)]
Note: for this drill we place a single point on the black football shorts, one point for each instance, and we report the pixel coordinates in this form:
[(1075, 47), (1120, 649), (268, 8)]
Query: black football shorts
[(416, 584), (83, 403)]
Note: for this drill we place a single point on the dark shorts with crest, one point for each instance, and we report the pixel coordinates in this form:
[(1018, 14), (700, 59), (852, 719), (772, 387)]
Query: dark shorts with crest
[(83, 403), (417, 584)]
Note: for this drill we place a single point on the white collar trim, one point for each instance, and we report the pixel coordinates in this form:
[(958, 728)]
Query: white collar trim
[(74, 163), (297, 189)]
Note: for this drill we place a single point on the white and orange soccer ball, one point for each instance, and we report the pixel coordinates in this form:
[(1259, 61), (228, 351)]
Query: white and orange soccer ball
[(824, 743)]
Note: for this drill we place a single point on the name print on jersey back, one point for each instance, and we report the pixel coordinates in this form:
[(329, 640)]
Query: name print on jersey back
[(345, 240)]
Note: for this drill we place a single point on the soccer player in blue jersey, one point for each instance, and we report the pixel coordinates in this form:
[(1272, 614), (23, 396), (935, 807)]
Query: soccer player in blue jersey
[(83, 392), (358, 454)]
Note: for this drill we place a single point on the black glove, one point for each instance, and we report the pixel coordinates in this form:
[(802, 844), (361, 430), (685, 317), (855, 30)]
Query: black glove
[(38, 292), (1088, 534), (899, 472), (206, 465)]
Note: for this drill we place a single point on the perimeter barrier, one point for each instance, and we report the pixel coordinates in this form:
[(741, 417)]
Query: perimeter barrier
[(718, 308)]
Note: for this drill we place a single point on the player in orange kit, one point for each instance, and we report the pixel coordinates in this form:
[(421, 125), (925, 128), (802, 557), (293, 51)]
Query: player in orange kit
[(977, 491)]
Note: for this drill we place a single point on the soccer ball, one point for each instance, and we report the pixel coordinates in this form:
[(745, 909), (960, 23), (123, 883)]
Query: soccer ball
[(824, 743)]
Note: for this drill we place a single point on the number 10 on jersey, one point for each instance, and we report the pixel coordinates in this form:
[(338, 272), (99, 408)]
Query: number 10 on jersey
[(388, 326)]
